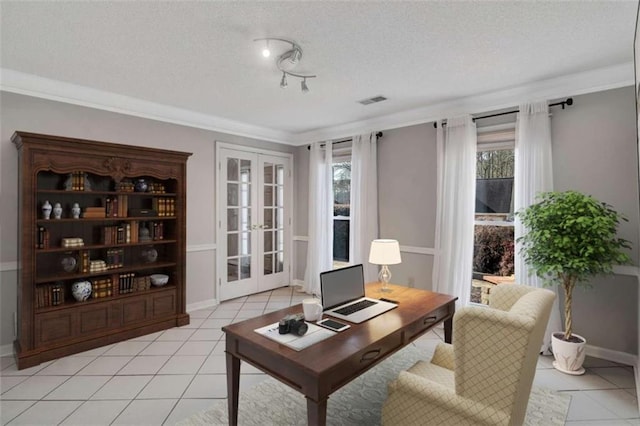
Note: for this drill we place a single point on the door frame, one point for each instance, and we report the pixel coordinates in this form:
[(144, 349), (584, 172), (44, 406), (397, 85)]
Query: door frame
[(220, 236)]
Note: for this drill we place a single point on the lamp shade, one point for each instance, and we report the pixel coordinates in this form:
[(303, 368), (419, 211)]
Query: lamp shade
[(385, 252)]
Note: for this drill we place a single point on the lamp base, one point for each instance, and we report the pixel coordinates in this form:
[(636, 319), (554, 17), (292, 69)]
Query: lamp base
[(385, 276)]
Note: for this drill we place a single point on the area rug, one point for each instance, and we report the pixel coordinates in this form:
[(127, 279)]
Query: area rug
[(358, 403)]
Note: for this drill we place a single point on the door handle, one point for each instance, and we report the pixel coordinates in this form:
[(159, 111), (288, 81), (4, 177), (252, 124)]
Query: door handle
[(371, 355), (430, 319)]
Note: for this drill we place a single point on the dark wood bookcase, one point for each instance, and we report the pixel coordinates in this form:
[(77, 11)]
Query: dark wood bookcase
[(124, 234)]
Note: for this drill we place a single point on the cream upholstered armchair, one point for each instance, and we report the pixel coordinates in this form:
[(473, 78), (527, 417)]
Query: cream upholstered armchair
[(485, 376)]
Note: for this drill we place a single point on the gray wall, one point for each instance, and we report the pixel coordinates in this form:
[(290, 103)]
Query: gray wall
[(42, 116), (595, 151)]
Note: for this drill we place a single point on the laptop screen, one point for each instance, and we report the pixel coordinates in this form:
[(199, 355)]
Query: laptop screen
[(341, 285)]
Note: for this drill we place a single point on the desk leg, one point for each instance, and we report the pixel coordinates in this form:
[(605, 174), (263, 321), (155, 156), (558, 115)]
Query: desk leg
[(233, 387), (316, 412), (448, 329)]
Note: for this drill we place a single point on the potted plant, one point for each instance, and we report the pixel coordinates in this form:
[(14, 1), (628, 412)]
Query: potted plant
[(569, 238)]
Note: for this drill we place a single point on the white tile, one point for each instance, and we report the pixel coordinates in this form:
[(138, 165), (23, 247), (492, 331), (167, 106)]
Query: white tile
[(223, 314), (147, 337), (545, 362), (122, 387), (244, 314), (129, 347), (229, 306), (142, 365), (12, 370), (216, 323), (632, 391), (194, 323), (8, 382), (255, 306), (183, 364), (216, 364), (175, 335), (196, 348), (202, 313), (207, 386), (219, 348), (187, 407), (261, 297), (590, 362), (617, 401), (280, 299), (206, 334), (95, 352), (105, 366), (555, 380), (78, 388), (584, 408), (146, 412), (622, 377), (35, 387), (11, 409), (96, 413), (67, 366), (166, 387), (276, 306), (597, 423), (6, 361), (246, 368), (46, 413), (161, 348)]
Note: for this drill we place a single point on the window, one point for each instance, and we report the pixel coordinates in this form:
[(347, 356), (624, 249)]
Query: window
[(341, 210), (493, 251)]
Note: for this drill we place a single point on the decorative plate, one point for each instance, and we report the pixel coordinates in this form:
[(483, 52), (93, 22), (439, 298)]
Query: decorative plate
[(69, 263)]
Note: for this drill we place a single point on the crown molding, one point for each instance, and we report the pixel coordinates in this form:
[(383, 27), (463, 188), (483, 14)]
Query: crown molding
[(45, 88), (612, 77), (597, 80)]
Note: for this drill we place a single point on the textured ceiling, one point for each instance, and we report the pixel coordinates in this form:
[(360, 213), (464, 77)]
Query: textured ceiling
[(200, 56)]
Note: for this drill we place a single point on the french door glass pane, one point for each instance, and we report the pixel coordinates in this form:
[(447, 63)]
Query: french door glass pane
[(279, 217), (280, 262), (245, 243), (245, 195), (268, 218), (245, 219), (268, 195), (268, 264), (232, 194), (232, 245), (268, 241), (232, 219), (279, 240), (268, 173), (280, 174), (279, 196), (245, 267), (245, 170), (232, 169), (232, 270)]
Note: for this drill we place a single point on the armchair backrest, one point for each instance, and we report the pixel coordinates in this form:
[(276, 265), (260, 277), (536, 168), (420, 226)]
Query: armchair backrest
[(496, 350)]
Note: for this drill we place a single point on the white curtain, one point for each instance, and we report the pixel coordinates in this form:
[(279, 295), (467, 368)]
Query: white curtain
[(363, 221), (320, 246), (455, 211), (533, 175)]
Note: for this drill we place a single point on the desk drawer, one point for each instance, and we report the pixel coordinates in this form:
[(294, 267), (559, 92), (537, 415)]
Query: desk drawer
[(425, 323), (364, 359)]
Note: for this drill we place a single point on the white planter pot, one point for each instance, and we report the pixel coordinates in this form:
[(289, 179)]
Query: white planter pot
[(569, 356)]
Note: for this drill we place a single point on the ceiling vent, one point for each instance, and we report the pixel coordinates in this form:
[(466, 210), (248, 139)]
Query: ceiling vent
[(373, 100)]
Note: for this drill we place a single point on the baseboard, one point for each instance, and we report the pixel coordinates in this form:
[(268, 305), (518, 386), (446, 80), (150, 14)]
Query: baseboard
[(209, 303), (6, 350), (297, 284), (611, 355)]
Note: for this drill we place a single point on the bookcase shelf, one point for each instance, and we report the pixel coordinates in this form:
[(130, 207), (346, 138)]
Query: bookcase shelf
[(135, 198)]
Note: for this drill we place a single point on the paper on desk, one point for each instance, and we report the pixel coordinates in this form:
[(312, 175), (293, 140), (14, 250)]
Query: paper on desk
[(313, 335)]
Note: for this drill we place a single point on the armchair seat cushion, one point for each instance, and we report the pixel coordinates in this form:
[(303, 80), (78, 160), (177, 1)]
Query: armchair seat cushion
[(434, 373)]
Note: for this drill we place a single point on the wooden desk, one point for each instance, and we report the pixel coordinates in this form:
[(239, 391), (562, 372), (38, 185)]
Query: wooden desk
[(323, 368)]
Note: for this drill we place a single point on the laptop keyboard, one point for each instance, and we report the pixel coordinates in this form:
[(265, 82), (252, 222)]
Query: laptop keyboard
[(347, 310)]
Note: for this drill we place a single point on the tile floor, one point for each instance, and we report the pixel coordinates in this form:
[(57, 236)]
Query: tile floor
[(162, 378)]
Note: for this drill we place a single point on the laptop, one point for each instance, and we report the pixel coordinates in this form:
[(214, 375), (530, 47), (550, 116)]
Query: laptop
[(343, 296)]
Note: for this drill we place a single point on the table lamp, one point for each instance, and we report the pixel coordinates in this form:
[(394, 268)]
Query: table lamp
[(385, 252)]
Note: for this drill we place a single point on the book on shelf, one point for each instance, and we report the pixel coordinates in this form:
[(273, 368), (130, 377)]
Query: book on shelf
[(42, 238)]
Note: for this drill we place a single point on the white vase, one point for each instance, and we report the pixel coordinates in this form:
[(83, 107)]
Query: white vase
[(46, 210), (57, 211), (569, 355), (75, 211)]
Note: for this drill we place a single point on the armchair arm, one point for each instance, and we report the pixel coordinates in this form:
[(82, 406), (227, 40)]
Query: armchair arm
[(414, 400), (443, 356)]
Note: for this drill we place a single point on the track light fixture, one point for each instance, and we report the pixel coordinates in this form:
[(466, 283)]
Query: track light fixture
[(287, 61)]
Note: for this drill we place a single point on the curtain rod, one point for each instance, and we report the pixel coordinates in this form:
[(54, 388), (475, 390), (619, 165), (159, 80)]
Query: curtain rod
[(379, 135), (568, 101)]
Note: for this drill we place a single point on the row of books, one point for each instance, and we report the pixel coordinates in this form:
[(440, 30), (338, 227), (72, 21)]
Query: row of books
[(165, 206), (129, 283), (101, 287), (117, 234), (49, 295), (94, 212), (156, 231), (115, 258), (76, 182), (117, 206), (42, 238)]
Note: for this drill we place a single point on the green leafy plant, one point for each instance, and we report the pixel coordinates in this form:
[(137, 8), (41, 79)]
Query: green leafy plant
[(570, 237)]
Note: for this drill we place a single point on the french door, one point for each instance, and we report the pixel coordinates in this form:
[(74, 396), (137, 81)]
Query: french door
[(254, 221)]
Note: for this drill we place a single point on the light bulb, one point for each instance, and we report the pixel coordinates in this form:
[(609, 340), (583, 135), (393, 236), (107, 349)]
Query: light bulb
[(266, 52), (303, 86), (283, 82)]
